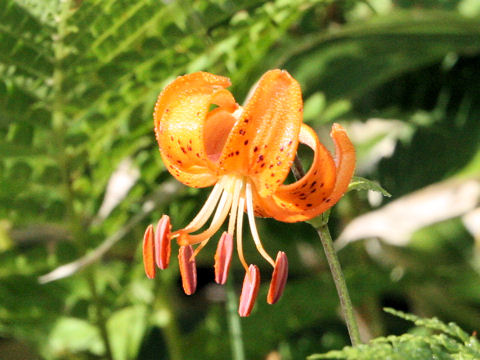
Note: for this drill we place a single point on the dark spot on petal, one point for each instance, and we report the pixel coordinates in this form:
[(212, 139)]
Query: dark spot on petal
[(313, 184), (263, 165), (237, 152), (245, 142), (255, 149), (183, 150), (260, 158), (322, 185), (281, 149), (313, 190), (309, 205), (328, 200)]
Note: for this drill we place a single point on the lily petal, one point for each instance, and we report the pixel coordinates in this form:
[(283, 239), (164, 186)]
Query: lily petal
[(264, 140), (180, 115), (322, 186)]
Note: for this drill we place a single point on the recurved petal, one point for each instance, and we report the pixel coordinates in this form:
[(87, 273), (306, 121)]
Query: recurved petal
[(321, 187), (264, 140), (180, 115)]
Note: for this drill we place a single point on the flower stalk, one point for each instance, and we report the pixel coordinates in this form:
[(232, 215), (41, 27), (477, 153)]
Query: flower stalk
[(320, 224), (339, 280)]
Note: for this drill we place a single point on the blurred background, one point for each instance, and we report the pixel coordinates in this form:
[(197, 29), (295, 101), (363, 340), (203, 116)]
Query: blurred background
[(81, 176)]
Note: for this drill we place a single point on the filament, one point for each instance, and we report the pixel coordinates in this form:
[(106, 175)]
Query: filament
[(233, 211), (241, 208), (207, 209), (218, 219), (253, 227)]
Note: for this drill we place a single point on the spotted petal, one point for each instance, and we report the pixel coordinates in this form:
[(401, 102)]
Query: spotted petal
[(321, 187), (185, 129), (264, 140)]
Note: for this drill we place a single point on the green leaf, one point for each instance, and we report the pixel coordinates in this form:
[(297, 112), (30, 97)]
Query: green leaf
[(371, 52), (358, 183), (126, 328), (73, 335)]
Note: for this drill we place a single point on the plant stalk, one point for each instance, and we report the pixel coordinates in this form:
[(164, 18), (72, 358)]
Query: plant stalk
[(320, 224), (234, 325), (340, 284)]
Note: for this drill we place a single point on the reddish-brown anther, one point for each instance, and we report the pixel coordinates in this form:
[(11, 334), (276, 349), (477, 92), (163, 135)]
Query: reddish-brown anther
[(188, 269), (251, 285), (223, 256), (279, 278), (162, 242), (148, 252)]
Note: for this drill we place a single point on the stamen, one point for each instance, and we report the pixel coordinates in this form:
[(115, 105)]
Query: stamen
[(207, 209), (253, 227), (188, 269), (200, 247), (215, 218), (223, 257), (251, 285), (149, 252), (279, 278), (241, 208), (163, 242), (218, 219), (233, 211)]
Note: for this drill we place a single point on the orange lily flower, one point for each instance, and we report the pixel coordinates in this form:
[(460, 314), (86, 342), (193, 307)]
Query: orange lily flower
[(246, 153)]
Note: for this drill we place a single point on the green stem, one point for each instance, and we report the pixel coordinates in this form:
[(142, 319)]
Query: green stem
[(165, 304), (339, 280), (234, 325), (100, 317)]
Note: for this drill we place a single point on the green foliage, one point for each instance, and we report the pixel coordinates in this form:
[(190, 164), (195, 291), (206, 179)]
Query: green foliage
[(78, 80), (432, 339), (359, 183)]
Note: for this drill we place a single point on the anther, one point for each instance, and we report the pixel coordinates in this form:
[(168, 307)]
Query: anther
[(148, 252), (223, 256), (279, 278), (251, 285), (162, 242), (188, 269)]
